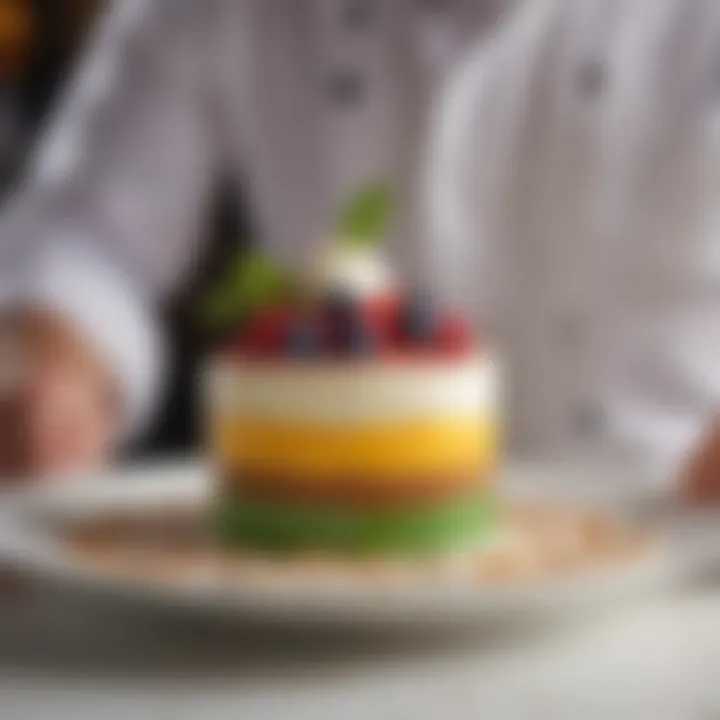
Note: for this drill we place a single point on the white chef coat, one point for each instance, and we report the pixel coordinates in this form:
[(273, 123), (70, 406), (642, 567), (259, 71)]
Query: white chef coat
[(574, 192), (570, 187)]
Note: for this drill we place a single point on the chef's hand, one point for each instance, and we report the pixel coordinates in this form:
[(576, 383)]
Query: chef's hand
[(700, 476), (57, 411)]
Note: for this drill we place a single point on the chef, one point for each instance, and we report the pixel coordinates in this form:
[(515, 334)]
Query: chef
[(573, 187), (570, 185)]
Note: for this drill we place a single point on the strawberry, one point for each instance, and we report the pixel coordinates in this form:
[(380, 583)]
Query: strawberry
[(381, 313), (453, 335)]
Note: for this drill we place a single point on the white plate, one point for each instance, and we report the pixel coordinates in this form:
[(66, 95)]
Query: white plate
[(28, 537)]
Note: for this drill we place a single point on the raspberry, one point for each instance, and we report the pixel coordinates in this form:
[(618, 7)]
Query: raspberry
[(265, 331)]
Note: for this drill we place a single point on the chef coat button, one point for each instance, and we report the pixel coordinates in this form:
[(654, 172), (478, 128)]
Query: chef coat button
[(345, 87), (359, 14), (591, 78), (433, 5), (568, 329), (588, 419)]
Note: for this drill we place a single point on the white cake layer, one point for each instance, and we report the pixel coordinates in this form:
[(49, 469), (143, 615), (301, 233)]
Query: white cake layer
[(373, 391)]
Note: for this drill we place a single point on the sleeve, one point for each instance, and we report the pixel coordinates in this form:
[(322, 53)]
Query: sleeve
[(664, 386), (663, 330), (474, 163), (455, 239), (108, 220)]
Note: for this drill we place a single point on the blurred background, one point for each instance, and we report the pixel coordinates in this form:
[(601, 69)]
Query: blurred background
[(38, 41)]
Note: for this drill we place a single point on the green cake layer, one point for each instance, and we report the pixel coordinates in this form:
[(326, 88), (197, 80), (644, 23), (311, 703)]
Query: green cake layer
[(430, 528)]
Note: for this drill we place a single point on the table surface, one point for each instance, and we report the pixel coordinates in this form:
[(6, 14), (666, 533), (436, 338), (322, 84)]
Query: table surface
[(62, 657), (65, 655)]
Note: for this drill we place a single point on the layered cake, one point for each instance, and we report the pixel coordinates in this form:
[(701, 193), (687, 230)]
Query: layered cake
[(354, 417)]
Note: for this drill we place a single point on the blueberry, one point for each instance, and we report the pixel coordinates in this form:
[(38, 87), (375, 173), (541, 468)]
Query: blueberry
[(360, 341), (342, 308), (349, 331), (342, 313), (419, 319), (303, 339)]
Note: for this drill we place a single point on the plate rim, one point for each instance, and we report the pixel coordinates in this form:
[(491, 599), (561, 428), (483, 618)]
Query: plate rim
[(401, 604)]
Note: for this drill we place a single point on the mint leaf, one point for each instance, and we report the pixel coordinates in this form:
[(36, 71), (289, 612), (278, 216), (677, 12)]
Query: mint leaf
[(365, 218), (252, 281)]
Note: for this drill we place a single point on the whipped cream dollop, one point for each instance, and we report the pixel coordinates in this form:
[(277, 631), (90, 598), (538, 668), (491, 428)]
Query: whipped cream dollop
[(359, 270)]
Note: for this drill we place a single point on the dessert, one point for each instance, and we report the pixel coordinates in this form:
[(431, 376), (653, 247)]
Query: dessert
[(535, 542), (357, 417)]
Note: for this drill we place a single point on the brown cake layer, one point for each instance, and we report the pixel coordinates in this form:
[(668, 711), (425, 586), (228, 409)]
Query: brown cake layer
[(353, 491)]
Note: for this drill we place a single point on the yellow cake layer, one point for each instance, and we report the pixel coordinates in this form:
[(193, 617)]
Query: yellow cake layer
[(384, 452)]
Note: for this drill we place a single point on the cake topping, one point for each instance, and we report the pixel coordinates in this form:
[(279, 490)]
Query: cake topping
[(361, 340), (349, 305), (340, 308), (340, 326), (454, 335), (303, 339), (353, 261), (419, 319), (264, 331), (360, 271)]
